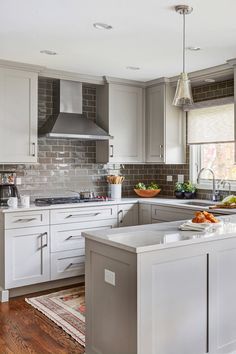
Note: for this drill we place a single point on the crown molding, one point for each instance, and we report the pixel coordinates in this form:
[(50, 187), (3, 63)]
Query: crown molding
[(219, 72), (118, 81), (159, 81), (68, 75), (20, 66)]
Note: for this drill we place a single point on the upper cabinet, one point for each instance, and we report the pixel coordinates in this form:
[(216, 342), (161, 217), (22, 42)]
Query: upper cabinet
[(165, 126), (18, 116), (120, 111)]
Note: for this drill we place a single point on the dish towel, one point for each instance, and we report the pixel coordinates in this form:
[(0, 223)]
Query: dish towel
[(191, 226)]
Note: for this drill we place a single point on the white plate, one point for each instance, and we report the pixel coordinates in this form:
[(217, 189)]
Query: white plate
[(189, 222)]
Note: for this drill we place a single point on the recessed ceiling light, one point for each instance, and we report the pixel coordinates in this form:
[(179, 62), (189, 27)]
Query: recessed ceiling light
[(193, 49), (133, 67), (99, 25), (210, 80), (48, 52)]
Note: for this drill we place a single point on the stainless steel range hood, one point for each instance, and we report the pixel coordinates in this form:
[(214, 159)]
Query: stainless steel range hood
[(68, 120)]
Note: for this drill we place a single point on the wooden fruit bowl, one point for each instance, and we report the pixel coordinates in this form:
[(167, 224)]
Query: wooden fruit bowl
[(148, 193)]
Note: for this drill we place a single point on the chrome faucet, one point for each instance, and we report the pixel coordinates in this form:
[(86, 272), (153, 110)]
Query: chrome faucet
[(229, 185), (214, 194)]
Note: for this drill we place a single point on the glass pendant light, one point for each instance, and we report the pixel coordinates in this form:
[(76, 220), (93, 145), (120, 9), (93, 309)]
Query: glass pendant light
[(183, 93)]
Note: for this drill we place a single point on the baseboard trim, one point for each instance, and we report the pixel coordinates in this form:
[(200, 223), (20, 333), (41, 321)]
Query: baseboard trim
[(45, 286)]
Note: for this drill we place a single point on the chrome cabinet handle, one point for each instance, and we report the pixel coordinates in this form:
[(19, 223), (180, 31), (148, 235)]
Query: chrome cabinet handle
[(120, 219), (161, 154), (112, 150), (73, 265), (81, 215), (25, 220), (34, 149), (74, 237), (42, 235)]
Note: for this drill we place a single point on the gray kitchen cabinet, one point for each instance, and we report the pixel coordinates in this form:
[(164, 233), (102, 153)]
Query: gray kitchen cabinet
[(120, 111), (175, 298), (168, 213), (68, 248), (222, 311), (127, 215), (165, 126), (145, 214), (18, 116), (26, 256)]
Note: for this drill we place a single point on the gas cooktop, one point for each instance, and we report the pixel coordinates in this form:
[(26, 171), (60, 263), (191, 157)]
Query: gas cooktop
[(67, 200)]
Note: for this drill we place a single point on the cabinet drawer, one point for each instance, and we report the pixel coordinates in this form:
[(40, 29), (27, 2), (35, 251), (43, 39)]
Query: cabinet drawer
[(68, 236), (83, 214), (67, 264), (170, 214), (26, 219)]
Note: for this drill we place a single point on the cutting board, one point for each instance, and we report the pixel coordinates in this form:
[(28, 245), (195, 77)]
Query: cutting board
[(222, 206)]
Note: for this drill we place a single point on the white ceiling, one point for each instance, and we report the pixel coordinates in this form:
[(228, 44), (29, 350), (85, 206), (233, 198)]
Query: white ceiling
[(145, 34)]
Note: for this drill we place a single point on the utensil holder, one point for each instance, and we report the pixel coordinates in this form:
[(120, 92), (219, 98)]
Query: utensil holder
[(115, 191)]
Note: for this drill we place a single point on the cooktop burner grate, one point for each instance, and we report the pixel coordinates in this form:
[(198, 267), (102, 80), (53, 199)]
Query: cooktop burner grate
[(67, 200)]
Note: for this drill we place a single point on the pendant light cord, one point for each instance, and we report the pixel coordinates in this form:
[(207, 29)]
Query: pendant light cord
[(183, 41)]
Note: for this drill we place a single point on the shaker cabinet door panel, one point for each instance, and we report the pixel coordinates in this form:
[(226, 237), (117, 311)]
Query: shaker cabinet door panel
[(26, 256), (18, 116), (155, 124), (126, 123), (120, 111), (127, 215)]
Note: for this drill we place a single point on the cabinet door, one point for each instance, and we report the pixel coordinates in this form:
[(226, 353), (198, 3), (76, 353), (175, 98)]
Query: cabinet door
[(174, 309), (222, 296), (155, 124), (163, 214), (18, 116), (145, 214), (126, 121), (127, 215), (26, 256)]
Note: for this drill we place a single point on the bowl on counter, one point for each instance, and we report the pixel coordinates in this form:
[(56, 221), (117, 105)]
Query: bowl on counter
[(147, 193)]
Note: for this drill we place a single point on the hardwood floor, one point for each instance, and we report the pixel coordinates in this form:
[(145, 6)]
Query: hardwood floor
[(25, 330)]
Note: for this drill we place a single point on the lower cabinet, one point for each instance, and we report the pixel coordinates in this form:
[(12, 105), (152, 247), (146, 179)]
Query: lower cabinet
[(145, 214), (68, 248), (26, 256), (165, 214), (127, 215)]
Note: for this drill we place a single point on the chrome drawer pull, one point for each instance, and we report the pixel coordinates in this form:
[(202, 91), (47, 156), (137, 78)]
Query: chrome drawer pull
[(25, 220), (74, 237), (73, 264), (81, 215)]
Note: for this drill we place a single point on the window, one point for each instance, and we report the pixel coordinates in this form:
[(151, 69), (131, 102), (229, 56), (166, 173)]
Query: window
[(219, 157), (211, 139)]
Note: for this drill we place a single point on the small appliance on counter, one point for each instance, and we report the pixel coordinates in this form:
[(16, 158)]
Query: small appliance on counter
[(8, 187)]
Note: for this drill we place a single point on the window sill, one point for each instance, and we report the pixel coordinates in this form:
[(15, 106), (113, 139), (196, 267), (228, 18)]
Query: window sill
[(208, 186)]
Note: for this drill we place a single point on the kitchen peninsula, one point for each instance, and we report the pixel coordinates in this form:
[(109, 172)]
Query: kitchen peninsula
[(161, 290)]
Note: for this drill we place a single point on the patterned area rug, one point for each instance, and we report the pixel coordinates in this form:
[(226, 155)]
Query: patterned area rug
[(66, 308)]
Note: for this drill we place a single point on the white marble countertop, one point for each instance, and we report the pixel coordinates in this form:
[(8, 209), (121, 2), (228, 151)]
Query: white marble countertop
[(172, 202), (146, 238)]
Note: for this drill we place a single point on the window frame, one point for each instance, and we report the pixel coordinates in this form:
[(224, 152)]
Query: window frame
[(195, 166)]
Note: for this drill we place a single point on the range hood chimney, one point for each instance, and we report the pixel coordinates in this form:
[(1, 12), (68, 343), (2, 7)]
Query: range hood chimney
[(68, 121)]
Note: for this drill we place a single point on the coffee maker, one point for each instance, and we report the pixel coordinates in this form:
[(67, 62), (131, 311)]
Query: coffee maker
[(7, 187)]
